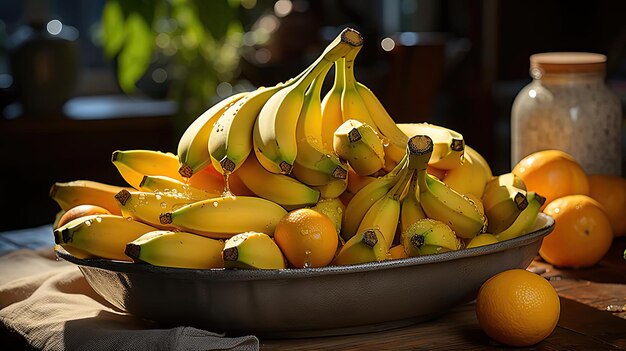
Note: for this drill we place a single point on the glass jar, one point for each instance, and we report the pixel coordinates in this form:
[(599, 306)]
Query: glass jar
[(568, 107)]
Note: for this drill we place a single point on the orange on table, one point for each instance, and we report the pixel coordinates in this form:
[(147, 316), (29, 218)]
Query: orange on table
[(610, 192), (582, 232), (307, 238), (517, 308), (553, 174)]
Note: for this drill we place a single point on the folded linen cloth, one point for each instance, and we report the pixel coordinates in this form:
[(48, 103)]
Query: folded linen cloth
[(49, 304)]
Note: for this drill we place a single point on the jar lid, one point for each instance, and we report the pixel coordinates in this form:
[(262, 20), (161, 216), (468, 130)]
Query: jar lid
[(568, 62)]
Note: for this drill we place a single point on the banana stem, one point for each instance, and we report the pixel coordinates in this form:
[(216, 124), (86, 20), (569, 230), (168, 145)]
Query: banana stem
[(419, 148), (349, 66), (340, 68), (402, 180), (315, 88)]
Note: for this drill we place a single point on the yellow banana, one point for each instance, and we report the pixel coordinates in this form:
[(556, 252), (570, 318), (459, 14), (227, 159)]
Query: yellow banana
[(225, 216), (335, 188), (86, 192), (331, 106), (104, 236), (368, 246), (278, 188), (352, 105), (449, 145), (360, 145), (230, 141), (410, 208), (146, 207), (444, 204), (397, 252), (314, 165), (167, 185), (252, 250), (134, 164), (176, 249), (525, 220), (471, 176), (482, 240), (428, 236), (274, 134), (503, 203), (193, 154)]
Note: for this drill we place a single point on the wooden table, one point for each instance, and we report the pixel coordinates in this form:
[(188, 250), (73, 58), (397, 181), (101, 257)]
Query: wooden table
[(593, 317)]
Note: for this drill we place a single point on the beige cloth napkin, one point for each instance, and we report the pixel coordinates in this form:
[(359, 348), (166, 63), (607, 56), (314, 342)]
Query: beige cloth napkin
[(51, 306)]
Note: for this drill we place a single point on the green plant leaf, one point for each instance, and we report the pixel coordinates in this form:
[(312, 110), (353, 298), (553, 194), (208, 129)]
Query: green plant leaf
[(216, 16), (135, 57)]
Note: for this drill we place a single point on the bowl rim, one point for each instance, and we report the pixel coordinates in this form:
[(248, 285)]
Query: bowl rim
[(296, 273)]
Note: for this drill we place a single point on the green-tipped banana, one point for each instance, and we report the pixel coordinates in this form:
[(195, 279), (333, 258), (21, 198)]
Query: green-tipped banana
[(526, 219), (314, 165), (103, 236), (368, 246), (133, 165), (146, 207), (366, 197), (278, 188), (333, 208), (230, 140), (471, 176), (428, 236), (193, 154), (167, 185), (449, 149), (444, 204), (176, 249), (361, 146), (274, 134), (252, 250), (223, 217), (332, 117), (503, 203)]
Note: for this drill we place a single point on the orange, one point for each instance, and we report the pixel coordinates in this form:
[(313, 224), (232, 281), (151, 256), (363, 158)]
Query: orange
[(582, 233), (610, 192), (553, 174), (517, 308), (307, 238)]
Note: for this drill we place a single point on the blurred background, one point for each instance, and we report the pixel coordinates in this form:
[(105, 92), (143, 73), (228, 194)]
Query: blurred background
[(80, 79)]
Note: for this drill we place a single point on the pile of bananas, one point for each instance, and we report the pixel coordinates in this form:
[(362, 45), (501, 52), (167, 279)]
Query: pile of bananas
[(392, 190)]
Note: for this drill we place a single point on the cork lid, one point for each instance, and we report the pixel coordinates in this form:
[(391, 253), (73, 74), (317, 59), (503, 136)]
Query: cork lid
[(568, 62)]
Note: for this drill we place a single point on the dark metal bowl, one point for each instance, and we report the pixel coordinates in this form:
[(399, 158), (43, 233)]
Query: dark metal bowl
[(308, 302)]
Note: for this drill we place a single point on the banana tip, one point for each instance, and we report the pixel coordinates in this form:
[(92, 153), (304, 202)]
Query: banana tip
[(185, 171), (352, 37), (165, 218), (132, 251), (230, 254), (122, 196)]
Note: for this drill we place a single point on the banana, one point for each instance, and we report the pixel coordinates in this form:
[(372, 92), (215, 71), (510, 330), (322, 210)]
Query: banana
[(167, 185), (334, 209), (509, 179), (225, 216), (104, 236), (410, 207), (252, 250), (176, 249), (482, 240), (471, 176), (503, 203), (356, 182), (146, 207), (209, 180), (359, 144), (332, 117), (230, 140), (428, 236), (448, 152), (278, 188), (397, 252), (85, 192), (314, 165), (193, 154), (525, 220), (352, 105), (444, 204), (335, 188), (368, 246), (274, 134), (134, 164), (78, 253)]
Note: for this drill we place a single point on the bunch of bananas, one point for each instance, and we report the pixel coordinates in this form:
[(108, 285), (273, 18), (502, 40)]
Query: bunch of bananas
[(391, 190)]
